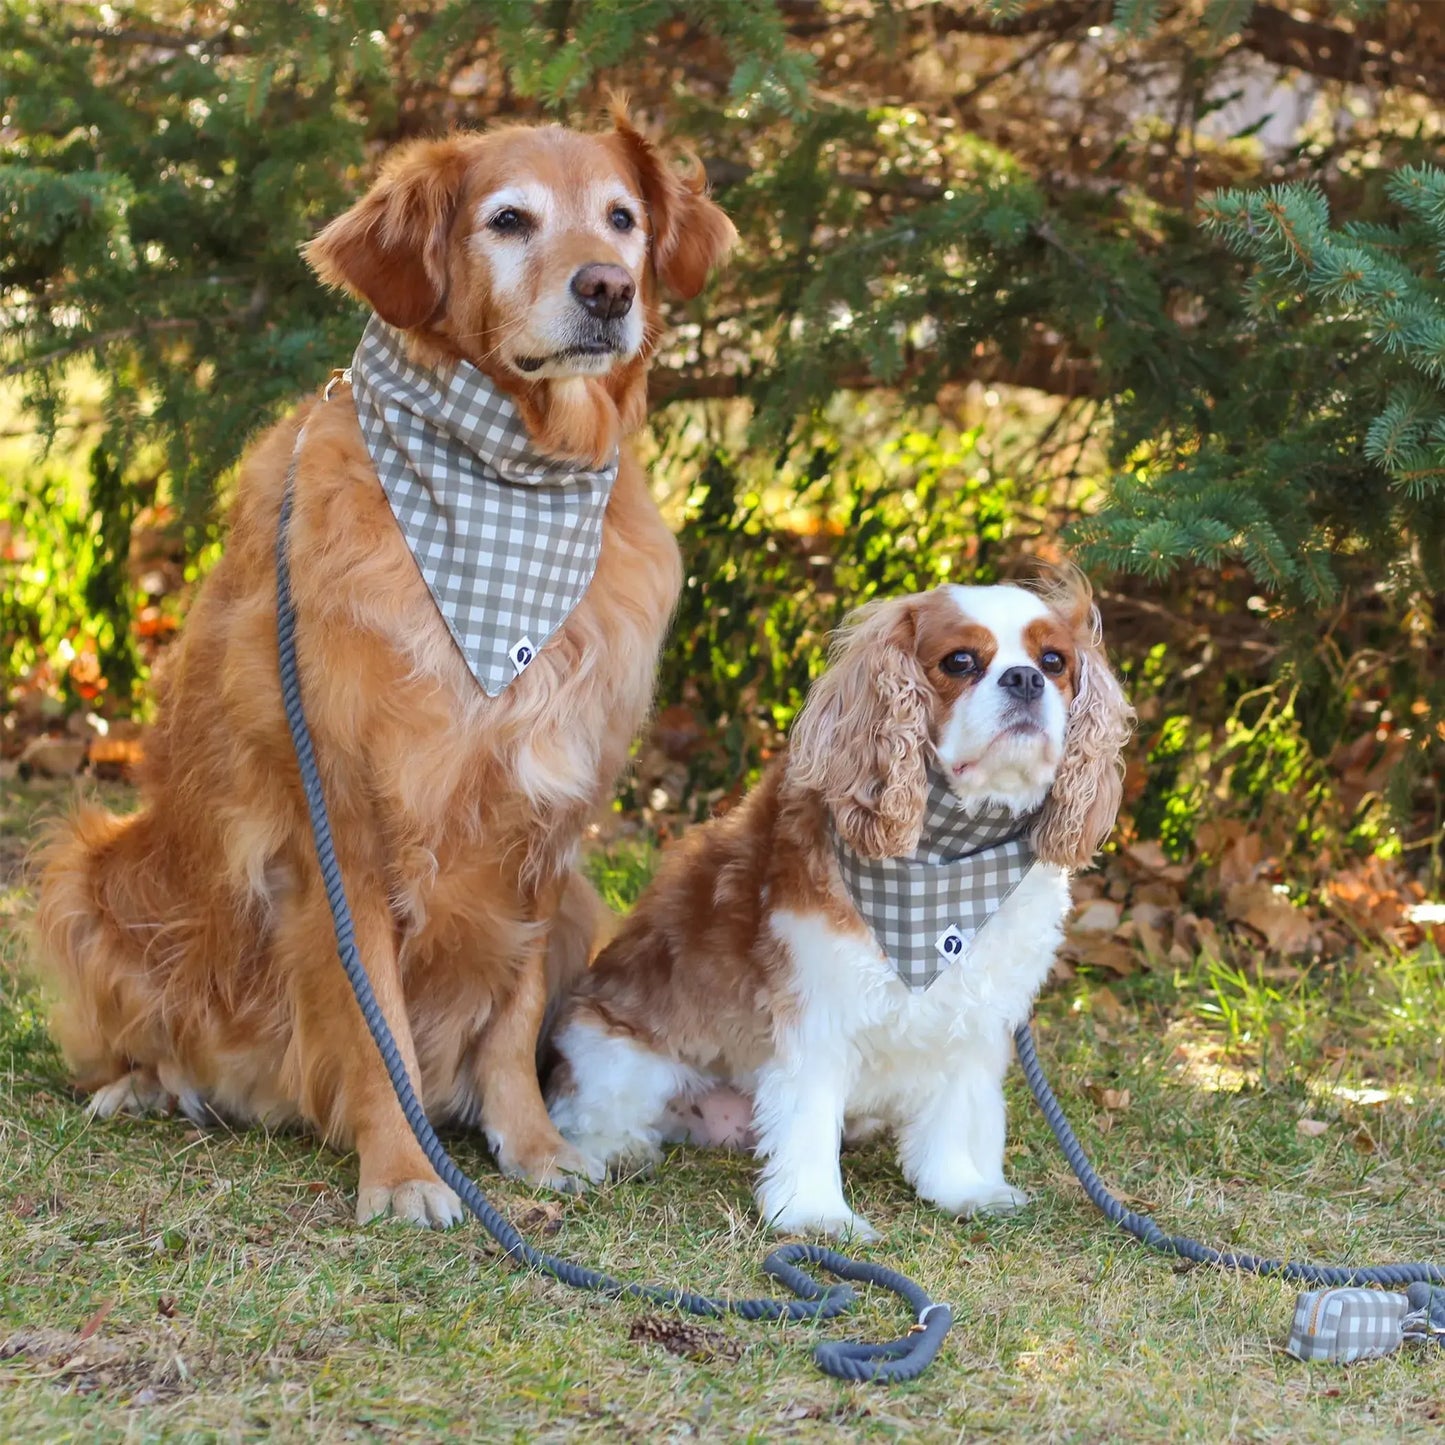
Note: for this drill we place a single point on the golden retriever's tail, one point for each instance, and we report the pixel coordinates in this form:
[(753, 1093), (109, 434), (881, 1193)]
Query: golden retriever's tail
[(101, 905)]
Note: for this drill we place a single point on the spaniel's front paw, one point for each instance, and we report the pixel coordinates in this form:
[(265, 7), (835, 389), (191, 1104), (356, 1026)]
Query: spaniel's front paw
[(796, 1213), (840, 1224), (978, 1198)]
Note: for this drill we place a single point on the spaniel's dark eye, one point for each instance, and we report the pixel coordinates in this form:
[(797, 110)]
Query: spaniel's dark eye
[(1052, 662), (509, 221), (960, 664), (622, 219)]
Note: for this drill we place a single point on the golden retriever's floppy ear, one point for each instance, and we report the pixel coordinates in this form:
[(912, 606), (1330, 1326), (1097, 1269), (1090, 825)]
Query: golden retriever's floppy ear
[(690, 234), (861, 740), (390, 248), (1089, 786)]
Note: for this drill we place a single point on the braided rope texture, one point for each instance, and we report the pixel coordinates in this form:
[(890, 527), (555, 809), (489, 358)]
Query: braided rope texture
[(1144, 1229), (888, 1362)]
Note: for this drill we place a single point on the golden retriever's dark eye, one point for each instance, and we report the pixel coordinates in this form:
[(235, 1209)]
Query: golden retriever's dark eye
[(1052, 662), (621, 218), (959, 664), (509, 221)]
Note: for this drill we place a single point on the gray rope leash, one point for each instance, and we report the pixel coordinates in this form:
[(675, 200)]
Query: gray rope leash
[(1145, 1230), (889, 1362)]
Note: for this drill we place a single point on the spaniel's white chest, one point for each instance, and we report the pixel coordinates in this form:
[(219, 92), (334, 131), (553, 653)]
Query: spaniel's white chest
[(851, 1004)]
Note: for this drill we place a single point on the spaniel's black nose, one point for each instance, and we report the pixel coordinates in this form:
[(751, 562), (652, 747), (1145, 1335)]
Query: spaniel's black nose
[(606, 291), (1025, 683)]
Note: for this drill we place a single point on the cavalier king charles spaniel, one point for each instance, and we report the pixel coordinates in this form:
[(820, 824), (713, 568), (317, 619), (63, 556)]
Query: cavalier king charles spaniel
[(749, 966)]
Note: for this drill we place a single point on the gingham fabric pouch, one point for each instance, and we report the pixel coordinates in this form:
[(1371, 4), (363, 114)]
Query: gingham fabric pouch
[(506, 539), (1340, 1325)]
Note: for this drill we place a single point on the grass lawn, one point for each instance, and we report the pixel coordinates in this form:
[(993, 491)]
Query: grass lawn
[(223, 1291)]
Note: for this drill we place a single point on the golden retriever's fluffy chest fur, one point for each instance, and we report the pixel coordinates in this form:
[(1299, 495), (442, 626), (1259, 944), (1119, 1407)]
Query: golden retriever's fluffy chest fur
[(436, 746), (191, 942)]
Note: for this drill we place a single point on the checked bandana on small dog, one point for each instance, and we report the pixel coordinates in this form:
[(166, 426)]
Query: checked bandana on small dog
[(854, 944)]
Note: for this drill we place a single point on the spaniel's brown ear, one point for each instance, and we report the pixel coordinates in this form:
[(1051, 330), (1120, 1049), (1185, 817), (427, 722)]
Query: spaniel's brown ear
[(390, 248), (1089, 785), (690, 234), (861, 740)]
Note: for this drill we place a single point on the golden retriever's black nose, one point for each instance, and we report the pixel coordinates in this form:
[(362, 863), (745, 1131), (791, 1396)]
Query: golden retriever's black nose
[(1025, 683), (606, 291)]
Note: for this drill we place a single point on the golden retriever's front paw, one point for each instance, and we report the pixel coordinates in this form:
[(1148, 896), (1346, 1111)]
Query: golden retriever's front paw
[(138, 1092), (558, 1165), (426, 1202)]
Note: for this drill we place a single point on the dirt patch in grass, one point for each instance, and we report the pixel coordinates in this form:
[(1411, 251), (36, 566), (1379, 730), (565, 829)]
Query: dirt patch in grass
[(131, 1367)]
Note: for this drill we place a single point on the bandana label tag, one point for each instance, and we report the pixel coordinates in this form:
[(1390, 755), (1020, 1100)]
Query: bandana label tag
[(521, 653), (952, 944)]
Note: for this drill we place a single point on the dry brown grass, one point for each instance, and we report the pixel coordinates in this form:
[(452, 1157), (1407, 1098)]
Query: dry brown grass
[(240, 1301)]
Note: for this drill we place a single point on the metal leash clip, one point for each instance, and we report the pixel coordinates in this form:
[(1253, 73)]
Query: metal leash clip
[(921, 1324)]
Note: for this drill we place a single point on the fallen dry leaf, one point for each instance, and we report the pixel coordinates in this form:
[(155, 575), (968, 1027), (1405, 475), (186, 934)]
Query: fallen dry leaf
[(1367, 764), (1136, 776), (1374, 894), (52, 757), (1145, 936), (1104, 1003), (1283, 927), (1197, 935), (1150, 856), (1156, 915), (1115, 1100), (1099, 916), (1242, 860), (678, 732), (544, 1217), (1109, 953), (1159, 892), (96, 1320), (1311, 1128), (1214, 835)]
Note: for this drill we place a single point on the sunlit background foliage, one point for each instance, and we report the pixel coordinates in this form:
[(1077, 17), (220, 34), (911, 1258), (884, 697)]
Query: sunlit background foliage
[(1155, 283)]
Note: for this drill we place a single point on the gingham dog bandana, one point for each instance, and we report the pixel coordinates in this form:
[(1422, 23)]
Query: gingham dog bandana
[(506, 540), (925, 910)]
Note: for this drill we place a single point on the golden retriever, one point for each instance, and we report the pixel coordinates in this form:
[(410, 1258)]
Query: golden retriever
[(189, 944)]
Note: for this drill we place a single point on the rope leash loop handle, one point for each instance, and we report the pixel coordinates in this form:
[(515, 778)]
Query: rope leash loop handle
[(894, 1361), (890, 1362), (1148, 1232)]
